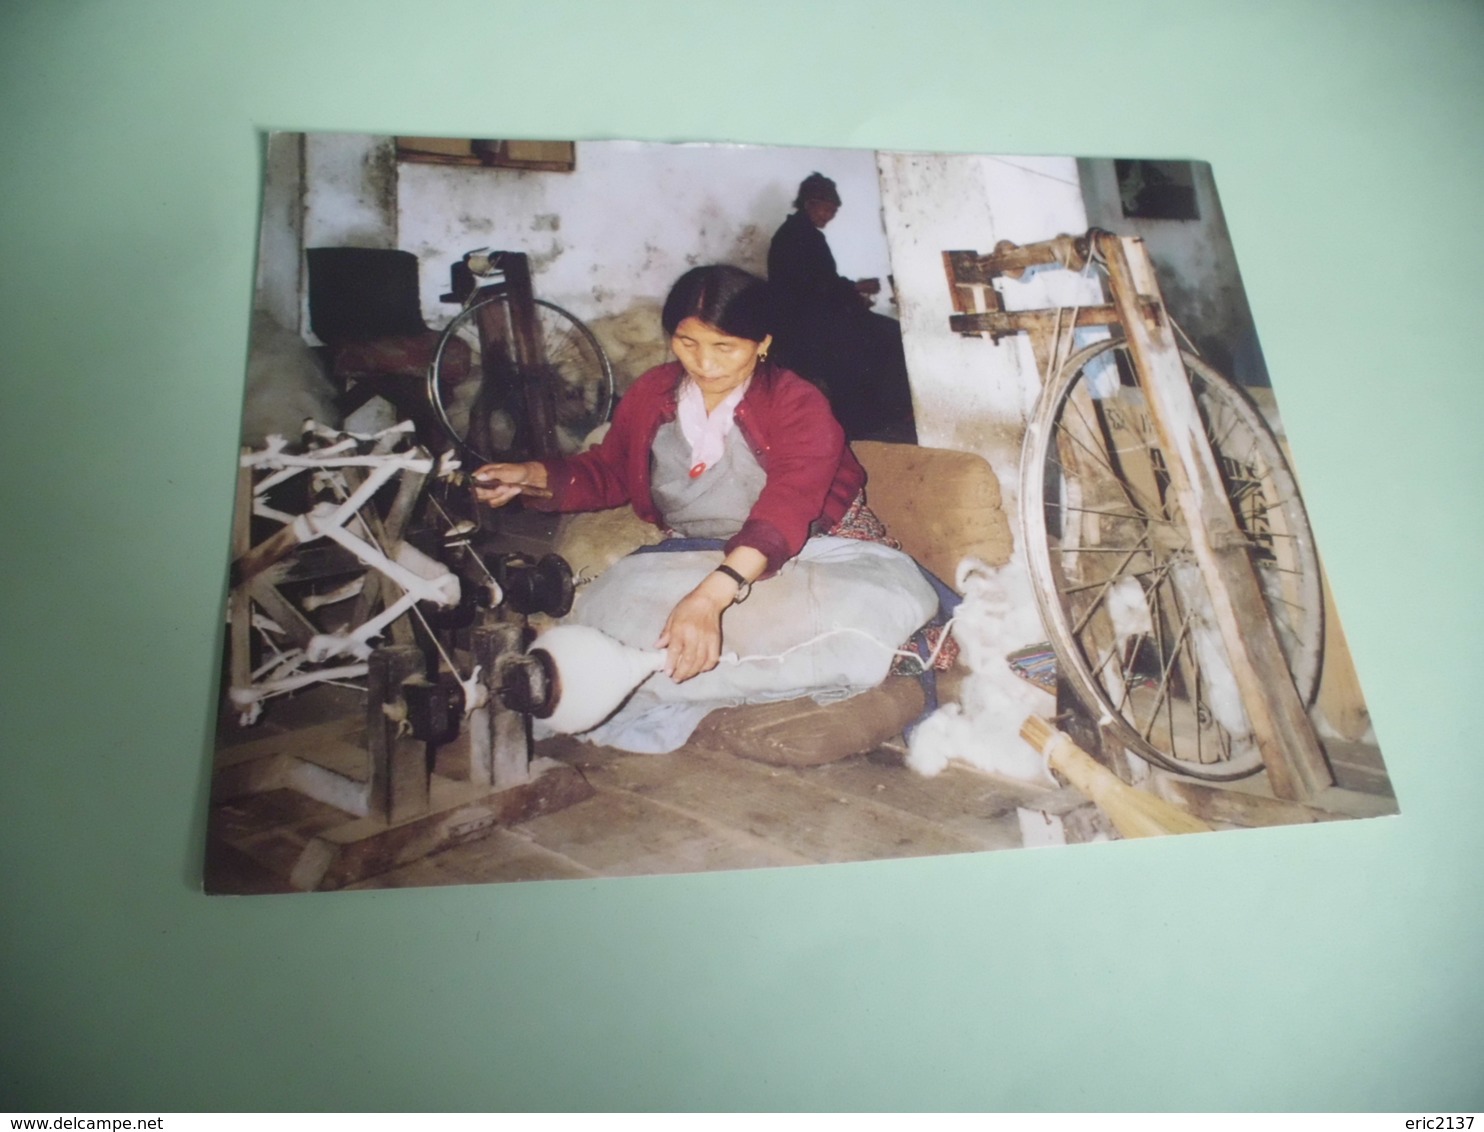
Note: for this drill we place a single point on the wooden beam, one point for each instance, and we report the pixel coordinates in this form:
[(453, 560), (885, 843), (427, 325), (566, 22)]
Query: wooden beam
[(399, 770), (459, 812), (1231, 807), (500, 754), (998, 323), (530, 355), (1291, 753), (272, 550), (299, 628)]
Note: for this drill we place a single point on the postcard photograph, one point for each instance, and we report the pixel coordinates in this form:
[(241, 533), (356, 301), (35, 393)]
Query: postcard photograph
[(616, 508)]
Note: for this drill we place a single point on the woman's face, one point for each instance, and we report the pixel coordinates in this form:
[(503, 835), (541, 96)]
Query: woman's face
[(718, 363), (820, 212)]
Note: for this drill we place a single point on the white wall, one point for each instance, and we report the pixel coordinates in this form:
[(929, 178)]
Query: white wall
[(281, 229), (350, 191), (606, 241), (974, 395), (631, 218), (971, 394)]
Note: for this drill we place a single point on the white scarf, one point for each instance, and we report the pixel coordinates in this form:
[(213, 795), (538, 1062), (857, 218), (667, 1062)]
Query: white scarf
[(706, 433)]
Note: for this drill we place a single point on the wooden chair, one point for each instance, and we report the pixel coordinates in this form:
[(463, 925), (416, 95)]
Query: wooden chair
[(363, 305)]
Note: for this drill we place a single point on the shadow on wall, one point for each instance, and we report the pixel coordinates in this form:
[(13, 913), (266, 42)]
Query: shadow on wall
[(1174, 208)]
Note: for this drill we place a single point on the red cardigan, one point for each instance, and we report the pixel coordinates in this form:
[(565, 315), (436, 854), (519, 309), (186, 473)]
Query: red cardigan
[(813, 477)]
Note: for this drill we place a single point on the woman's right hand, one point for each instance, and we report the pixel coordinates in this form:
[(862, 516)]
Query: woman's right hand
[(497, 484)]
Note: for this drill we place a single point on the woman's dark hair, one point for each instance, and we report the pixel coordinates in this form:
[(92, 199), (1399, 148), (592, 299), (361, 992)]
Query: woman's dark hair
[(817, 186), (732, 300)]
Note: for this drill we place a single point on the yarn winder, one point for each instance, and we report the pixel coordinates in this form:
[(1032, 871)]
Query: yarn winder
[(380, 768)]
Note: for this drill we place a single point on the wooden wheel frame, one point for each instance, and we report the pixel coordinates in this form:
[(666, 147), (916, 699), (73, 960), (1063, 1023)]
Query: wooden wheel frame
[(483, 405), (1121, 597)]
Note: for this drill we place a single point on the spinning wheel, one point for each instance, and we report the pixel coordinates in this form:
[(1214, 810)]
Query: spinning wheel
[(1120, 593), (485, 401)]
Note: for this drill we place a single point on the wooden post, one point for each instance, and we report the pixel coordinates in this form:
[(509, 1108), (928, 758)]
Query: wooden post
[(530, 356), (399, 770), (298, 628), (1134, 812), (1290, 751), (497, 379), (500, 755)]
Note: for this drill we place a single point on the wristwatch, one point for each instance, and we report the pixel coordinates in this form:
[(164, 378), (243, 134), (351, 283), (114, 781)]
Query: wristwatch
[(744, 587)]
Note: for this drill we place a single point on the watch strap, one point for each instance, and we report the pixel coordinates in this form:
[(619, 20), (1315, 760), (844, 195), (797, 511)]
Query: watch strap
[(744, 587)]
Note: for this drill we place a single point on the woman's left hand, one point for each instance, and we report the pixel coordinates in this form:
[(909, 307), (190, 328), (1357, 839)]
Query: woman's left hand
[(692, 634)]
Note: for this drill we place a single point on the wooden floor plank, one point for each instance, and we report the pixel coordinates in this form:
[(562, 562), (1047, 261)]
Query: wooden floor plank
[(622, 834), (339, 746), (253, 815), (503, 856), (690, 811), (779, 806), (976, 805)]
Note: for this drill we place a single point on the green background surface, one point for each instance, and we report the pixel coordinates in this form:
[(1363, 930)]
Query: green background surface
[(1329, 967)]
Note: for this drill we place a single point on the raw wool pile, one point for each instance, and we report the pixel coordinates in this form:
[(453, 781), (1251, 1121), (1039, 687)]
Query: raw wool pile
[(286, 384), (592, 541), (997, 616), (634, 342)]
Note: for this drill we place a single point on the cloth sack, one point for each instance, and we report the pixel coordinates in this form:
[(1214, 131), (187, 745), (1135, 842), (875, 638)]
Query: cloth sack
[(826, 626)]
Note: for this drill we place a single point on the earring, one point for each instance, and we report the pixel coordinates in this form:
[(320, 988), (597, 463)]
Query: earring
[(762, 355)]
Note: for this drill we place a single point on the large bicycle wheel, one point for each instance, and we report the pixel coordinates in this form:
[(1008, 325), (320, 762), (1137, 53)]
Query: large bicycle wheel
[(1123, 601), (484, 402)]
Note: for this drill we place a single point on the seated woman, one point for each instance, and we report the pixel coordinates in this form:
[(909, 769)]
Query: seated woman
[(744, 466), (827, 331)]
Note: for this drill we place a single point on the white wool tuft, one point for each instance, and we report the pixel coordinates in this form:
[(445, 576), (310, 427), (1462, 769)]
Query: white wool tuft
[(1128, 608), (995, 618), (935, 737)]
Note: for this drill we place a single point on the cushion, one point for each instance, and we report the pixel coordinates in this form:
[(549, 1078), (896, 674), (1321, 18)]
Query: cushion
[(941, 505), (804, 733), (592, 541)]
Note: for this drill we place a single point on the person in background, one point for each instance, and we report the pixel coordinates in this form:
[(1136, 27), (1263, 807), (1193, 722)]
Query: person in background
[(827, 331)]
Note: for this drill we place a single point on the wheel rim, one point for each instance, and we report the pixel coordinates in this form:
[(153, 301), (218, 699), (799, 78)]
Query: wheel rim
[(1120, 594), (477, 396)]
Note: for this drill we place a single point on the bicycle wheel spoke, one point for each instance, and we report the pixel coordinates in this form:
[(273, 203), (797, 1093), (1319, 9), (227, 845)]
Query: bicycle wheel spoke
[(1270, 567), (1091, 585), (1141, 503), (1157, 620), (491, 408), (1110, 514), (1218, 445), (1104, 481), (1164, 683), (1107, 585), (1104, 549)]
